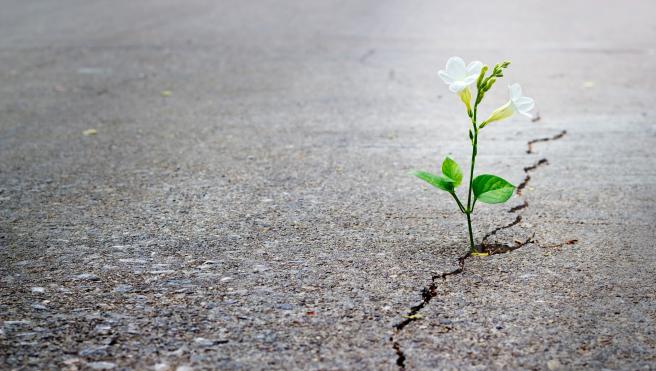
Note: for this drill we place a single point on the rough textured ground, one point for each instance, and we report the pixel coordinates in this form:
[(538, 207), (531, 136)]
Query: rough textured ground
[(244, 202)]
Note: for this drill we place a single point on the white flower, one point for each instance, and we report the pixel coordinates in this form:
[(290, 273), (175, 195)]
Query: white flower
[(521, 103), (517, 103), (458, 76)]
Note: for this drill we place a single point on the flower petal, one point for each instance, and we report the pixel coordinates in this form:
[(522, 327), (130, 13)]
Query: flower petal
[(455, 67), (524, 103), (515, 91), (500, 113), (474, 68), (457, 86), (445, 77), (470, 79)]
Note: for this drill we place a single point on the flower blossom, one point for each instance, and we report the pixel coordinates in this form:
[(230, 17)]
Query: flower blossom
[(517, 103), (459, 76)]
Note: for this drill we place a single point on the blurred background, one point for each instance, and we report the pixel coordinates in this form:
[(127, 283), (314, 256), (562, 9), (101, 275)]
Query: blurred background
[(201, 178)]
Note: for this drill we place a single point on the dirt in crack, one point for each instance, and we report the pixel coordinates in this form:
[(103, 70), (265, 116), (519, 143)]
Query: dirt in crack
[(555, 137), (400, 356), (515, 209), (527, 178), (502, 248), (427, 294), (430, 291), (517, 220)]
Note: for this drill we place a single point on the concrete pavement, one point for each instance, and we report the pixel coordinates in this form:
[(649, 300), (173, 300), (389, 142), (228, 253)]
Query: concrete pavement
[(243, 201)]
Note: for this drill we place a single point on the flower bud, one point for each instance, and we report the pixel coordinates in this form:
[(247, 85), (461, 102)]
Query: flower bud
[(500, 113), (465, 97), (480, 77)]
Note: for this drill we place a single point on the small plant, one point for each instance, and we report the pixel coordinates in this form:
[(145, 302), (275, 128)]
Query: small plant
[(486, 188)]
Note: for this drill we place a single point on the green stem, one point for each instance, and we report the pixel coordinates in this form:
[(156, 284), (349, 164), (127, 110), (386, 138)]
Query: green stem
[(471, 234), (455, 197), (470, 205)]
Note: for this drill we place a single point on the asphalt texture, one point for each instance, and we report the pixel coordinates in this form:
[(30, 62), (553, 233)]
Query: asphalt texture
[(224, 185)]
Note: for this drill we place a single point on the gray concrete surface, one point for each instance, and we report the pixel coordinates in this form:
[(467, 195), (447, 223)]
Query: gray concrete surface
[(245, 203)]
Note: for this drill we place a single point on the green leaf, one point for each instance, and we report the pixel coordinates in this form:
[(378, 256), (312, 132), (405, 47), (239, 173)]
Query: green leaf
[(436, 181), (491, 189), (451, 170)]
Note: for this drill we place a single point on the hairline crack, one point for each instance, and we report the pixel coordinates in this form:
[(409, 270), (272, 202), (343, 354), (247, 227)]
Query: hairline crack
[(430, 291)]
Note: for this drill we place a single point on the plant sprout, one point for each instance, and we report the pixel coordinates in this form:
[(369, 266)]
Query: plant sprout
[(486, 188)]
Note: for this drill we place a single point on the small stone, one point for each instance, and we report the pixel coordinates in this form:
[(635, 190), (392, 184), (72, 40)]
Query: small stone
[(102, 329), (209, 264), (285, 306), (204, 342), (184, 368), (38, 306), (554, 364), (123, 288), (102, 365), (177, 282), (133, 329), (178, 352), (226, 279), (72, 361), (38, 290), (162, 367), (133, 261), (87, 277), (94, 351), (198, 358), (208, 342), (260, 268), (163, 271), (27, 335)]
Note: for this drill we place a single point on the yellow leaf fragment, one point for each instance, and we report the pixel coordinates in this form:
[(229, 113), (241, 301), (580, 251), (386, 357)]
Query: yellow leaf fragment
[(480, 254)]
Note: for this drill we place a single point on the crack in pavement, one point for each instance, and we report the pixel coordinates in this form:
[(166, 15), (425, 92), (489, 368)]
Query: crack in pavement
[(524, 182), (366, 55), (518, 207), (430, 291), (533, 141), (557, 245), (517, 220), (427, 294)]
